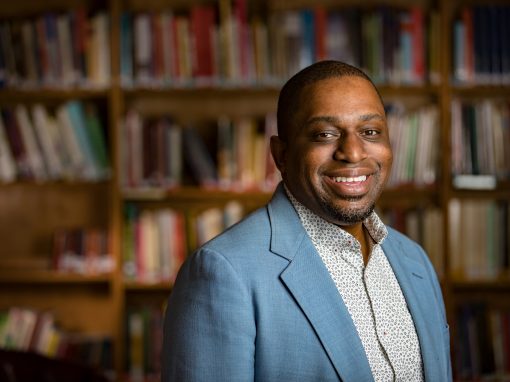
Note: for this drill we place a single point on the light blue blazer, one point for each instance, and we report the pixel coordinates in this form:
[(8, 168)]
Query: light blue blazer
[(258, 304)]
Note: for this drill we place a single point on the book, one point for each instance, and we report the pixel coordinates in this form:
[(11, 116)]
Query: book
[(7, 161)]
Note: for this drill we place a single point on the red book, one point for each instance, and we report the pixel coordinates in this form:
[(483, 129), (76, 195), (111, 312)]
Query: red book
[(240, 15), (320, 33), (176, 72), (469, 60), (202, 24), (418, 46)]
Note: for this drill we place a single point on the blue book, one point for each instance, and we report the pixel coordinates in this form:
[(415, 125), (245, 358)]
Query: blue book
[(126, 48), (308, 55), (78, 122)]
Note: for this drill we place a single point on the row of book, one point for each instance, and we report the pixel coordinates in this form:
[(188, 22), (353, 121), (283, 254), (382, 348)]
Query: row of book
[(480, 141), (482, 343), (227, 153), (414, 137), (157, 241), (83, 250), (480, 239), (144, 342), (221, 44), (40, 144), (425, 226), (27, 329), (481, 49), (154, 244), (56, 50)]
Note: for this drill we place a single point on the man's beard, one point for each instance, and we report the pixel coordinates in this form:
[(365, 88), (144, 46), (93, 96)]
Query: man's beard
[(346, 215)]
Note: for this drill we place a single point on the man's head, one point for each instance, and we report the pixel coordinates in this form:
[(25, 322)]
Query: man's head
[(333, 146)]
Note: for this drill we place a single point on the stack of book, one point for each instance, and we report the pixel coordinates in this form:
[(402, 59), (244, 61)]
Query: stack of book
[(480, 239), (414, 137), (154, 244), (29, 330), (223, 45), (56, 50), (481, 49), (157, 153), (39, 145), (480, 143), (144, 340), (84, 251), (482, 343)]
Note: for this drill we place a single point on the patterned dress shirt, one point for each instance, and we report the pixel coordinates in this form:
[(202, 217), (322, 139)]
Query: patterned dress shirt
[(372, 295)]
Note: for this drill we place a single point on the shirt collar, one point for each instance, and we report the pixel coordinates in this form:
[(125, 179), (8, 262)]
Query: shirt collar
[(372, 223)]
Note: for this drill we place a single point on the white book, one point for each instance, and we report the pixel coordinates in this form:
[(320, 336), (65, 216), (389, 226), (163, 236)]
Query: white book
[(166, 236), (143, 48), (7, 161), (35, 158)]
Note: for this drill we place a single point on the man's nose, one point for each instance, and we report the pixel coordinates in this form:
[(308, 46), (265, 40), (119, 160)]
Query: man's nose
[(351, 148)]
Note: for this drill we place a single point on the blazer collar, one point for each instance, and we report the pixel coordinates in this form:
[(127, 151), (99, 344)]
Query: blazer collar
[(308, 280), (414, 280)]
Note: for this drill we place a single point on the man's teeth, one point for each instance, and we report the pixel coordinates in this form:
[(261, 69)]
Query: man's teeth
[(341, 179)]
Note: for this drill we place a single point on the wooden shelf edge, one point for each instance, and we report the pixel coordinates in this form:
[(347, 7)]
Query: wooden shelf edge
[(192, 193), (137, 286), (480, 284), (52, 277), (45, 94)]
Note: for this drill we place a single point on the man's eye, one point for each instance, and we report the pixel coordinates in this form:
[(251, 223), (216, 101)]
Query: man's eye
[(325, 134), (371, 132)]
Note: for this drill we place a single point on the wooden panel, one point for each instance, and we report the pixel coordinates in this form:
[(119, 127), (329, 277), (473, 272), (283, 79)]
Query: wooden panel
[(30, 215), (76, 307)]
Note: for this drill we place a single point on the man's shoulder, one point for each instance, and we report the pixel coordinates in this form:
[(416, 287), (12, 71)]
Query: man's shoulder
[(404, 243), (253, 230)]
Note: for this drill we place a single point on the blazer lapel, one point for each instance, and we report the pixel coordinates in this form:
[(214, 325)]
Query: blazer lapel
[(308, 280), (413, 279)]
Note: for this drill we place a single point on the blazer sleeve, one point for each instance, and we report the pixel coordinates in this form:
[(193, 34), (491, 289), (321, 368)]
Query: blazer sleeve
[(209, 332)]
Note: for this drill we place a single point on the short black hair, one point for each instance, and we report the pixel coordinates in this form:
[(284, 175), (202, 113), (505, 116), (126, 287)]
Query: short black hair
[(288, 100)]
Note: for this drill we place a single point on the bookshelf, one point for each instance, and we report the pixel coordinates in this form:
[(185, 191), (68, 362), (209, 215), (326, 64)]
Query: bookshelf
[(215, 92)]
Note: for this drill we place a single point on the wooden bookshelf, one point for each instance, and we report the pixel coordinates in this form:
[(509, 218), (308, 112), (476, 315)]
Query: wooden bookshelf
[(30, 211)]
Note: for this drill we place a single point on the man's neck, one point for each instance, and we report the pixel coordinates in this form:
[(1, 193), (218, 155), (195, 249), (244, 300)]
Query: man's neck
[(361, 234)]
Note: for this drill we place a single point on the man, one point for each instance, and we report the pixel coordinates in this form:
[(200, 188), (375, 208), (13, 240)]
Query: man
[(313, 287)]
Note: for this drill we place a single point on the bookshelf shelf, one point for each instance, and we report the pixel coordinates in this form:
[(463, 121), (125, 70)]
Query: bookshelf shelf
[(52, 277), (45, 95), (194, 194), (500, 193), (57, 185), (134, 286), (498, 284), (481, 91)]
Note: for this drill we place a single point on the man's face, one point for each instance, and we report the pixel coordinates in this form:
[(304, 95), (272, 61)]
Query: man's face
[(337, 156)]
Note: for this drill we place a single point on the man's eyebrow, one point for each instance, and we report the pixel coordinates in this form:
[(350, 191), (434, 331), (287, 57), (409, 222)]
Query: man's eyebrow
[(369, 117), (335, 120)]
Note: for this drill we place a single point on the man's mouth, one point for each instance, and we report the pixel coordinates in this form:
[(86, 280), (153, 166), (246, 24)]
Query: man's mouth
[(357, 179)]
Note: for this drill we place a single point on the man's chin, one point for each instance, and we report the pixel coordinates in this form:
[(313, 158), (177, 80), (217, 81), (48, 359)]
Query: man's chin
[(348, 216)]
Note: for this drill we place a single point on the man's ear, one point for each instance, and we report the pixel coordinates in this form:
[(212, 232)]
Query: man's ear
[(278, 150)]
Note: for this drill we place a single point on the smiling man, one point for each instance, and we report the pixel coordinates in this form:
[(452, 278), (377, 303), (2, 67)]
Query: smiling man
[(313, 287)]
